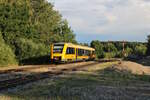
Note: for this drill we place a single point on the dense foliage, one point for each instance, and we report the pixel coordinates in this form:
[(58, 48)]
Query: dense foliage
[(98, 48), (7, 56), (148, 46), (140, 50), (28, 27), (115, 49)]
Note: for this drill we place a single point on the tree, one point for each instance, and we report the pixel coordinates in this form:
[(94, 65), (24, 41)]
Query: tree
[(27, 49), (65, 32), (128, 51), (140, 50), (28, 26), (132, 45), (84, 44), (98, 48), (148, 46), (119, 46), (110, 48)]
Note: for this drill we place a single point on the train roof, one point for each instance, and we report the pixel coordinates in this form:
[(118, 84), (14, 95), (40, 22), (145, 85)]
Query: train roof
[(77, 46)]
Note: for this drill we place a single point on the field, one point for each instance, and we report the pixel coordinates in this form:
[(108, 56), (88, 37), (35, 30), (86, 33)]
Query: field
[(103, 81)]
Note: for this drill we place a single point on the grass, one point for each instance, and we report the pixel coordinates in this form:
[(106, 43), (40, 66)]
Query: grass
[(101, 84)]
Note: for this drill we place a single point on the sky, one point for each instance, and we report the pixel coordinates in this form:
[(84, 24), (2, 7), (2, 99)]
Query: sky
[(104, 20)]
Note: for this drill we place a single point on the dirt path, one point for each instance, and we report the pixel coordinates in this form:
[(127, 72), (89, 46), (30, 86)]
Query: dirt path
[(133, 67)]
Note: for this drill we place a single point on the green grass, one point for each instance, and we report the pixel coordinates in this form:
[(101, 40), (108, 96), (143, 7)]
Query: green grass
[(103, 84)]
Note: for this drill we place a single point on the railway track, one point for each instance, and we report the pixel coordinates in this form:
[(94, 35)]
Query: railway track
[(51, 65), (24, 69), (21, 80), (11, 83)]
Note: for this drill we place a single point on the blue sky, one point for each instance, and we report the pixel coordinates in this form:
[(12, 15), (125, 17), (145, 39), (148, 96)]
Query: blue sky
[(106, 19)]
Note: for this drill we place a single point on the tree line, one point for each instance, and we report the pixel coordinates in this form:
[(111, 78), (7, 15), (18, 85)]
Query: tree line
[(120, 49), (27, 28)]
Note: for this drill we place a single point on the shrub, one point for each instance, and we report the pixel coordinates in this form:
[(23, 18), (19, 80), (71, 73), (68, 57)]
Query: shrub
[(7, 57), (110, 48), (98, 48), (109, 55), (128, 51), (27, 49), (119, 54), (140, 50), (148, 46)]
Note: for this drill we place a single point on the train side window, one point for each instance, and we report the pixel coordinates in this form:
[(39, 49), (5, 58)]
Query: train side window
[(80, 52), (70, 50), (86, 52)]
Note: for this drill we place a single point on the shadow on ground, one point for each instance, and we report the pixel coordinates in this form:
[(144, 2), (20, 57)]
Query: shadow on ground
[(143, 61), (42, 60)]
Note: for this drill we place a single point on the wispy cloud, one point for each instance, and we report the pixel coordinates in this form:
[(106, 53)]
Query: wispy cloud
[(111, 17)]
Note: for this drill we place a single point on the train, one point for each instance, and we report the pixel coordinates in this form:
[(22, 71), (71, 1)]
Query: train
[(69, 52)]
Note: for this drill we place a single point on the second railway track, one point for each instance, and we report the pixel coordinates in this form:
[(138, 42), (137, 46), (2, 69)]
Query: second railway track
[(23, 69), (24, 79), (10, 83), (43, 66)]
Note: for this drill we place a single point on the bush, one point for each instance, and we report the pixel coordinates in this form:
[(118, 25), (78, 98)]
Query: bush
[(110, 48), (140, 50), (148, 46), (27, 49), (7, 57), (128, 51), (109, 55), (119, 54)]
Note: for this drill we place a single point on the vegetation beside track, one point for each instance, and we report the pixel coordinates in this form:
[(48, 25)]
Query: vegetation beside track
[(27, 28), (7, 57), (116, 49), (103, 83)]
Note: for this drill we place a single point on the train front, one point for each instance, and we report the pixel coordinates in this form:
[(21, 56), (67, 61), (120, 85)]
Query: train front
[(57, 52)]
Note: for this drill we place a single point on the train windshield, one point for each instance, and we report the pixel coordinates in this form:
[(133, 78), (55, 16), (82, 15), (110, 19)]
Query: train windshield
[(58, 48)]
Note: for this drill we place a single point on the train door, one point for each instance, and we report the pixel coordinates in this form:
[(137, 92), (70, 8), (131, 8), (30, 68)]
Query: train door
[(70, 54)]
